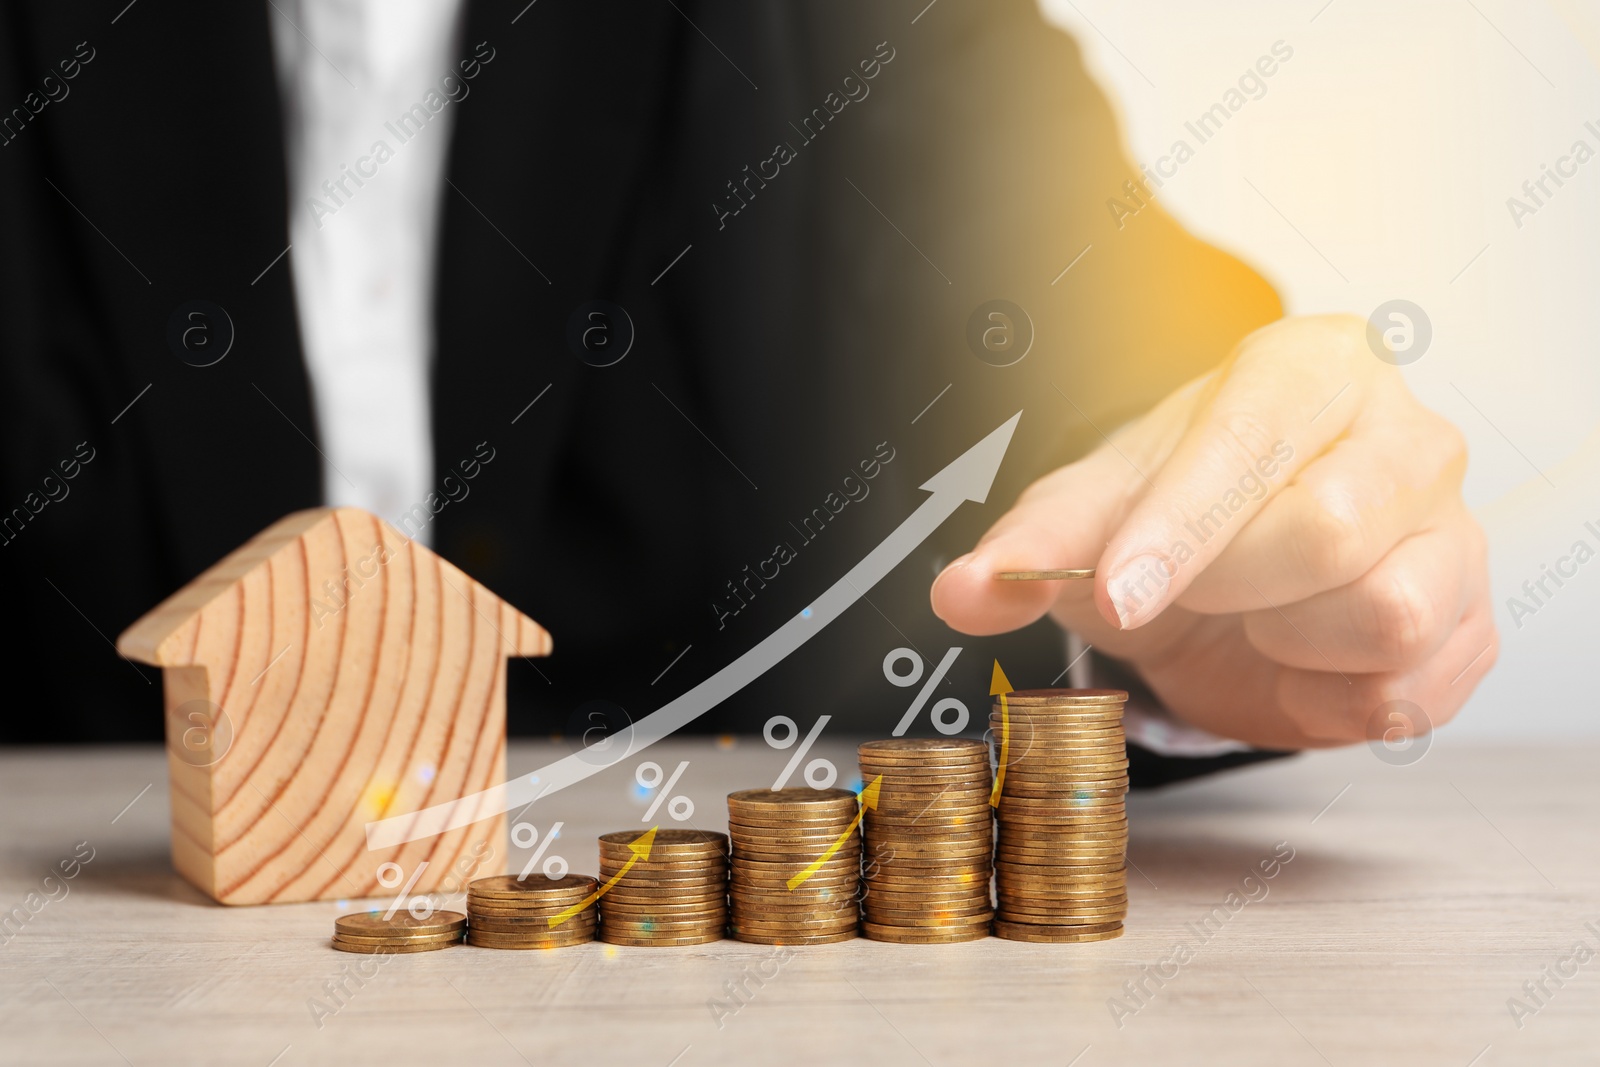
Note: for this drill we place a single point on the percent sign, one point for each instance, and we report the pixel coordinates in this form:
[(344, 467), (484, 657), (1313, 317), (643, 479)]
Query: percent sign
[(524, 835), (820, 773), (392, 874), (649, 775), (943, 721)]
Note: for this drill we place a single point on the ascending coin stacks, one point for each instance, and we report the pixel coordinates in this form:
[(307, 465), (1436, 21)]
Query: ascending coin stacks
[(671, 890), (1063, 824), (929, 840), (796, 865)]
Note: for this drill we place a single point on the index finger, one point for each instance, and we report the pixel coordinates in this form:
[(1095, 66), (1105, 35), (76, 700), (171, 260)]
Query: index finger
[(1290, 390)]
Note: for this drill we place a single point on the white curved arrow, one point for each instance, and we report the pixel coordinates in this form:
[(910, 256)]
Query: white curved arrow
[(967, 478)]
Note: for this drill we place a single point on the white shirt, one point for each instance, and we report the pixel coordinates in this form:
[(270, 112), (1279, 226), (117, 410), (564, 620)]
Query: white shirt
[(362, 247)]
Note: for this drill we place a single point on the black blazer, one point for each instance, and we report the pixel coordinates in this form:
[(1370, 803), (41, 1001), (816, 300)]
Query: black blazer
[(799, 206)]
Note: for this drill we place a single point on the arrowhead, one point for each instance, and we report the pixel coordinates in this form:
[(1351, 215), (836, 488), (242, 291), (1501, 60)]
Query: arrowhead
[(869, 795), (972, 473), (642, 845), (998, 682)]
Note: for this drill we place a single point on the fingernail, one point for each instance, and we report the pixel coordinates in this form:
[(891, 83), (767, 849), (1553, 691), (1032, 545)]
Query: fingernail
[(1139, 588)]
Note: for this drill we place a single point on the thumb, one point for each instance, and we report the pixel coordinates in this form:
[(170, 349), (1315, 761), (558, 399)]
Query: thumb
[(1061, 521)]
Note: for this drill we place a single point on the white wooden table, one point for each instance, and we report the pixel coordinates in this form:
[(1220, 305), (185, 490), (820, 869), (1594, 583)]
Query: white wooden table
[(1419, 900)]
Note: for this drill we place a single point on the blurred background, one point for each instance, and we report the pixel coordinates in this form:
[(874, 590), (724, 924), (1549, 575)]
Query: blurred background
[(1377, 165)]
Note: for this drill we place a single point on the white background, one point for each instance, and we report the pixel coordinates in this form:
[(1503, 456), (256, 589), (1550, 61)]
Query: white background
[(1391, 141)]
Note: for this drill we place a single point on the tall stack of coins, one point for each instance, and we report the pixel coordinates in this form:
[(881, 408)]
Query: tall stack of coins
[(507, 912), (930, 840), (403, 932), (675, 895), (796, 865), (1059, 863)]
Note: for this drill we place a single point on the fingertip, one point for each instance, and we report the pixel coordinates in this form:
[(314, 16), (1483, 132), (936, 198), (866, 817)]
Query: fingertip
[(968, 598)]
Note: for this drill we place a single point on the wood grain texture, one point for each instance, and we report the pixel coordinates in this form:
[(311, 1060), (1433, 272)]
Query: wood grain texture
[(1415, 906), (327, 673)]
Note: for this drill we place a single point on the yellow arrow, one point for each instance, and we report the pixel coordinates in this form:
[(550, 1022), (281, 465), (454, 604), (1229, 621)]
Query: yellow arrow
[(869, 799), (641, 851), (1000, 685)]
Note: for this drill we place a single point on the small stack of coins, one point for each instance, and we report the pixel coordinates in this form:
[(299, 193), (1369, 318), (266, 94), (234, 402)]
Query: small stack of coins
[(1059, 865), (508, 912), (796, 865), (671, 888), (402, 932), (930, 840)]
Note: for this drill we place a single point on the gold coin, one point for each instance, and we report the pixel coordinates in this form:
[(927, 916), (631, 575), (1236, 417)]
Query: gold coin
[(924, 935), (656, 890), (778, 874), (524, 918), (419, 939), (796, 847), (1011, 912), (750, 937), (669, 838), (1044, 576), (660, 942), (971, 802), (380, 950), (534, 904), (793, 799), (1059, 831), (1062, 697), (474, 911), (1053, 809), (1062, 855), (647, 923), (1056, 934), (806, 929), (508, 885), (401, 924), (925, 861), (946, 922), (894, 896), (919, 796), (920, 747), (923, 853), (823, 832), (800, 802), (1070, 869), (1056, 852), (710, 875), (1063, 806), (1063, 895), (759, 871), (478, 942), (1116, 787), (930, 914), (889, 830), (1065, 763), (537, 931), (1080, 726), (968, 869), (662, 909), (569, 928), (813, 884)]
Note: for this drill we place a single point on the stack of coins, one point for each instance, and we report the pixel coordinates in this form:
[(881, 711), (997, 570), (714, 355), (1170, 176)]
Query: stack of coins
[(796, 865), (508, 912), (672, 889), (1059, 864), (930, 840), (402, 932)]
